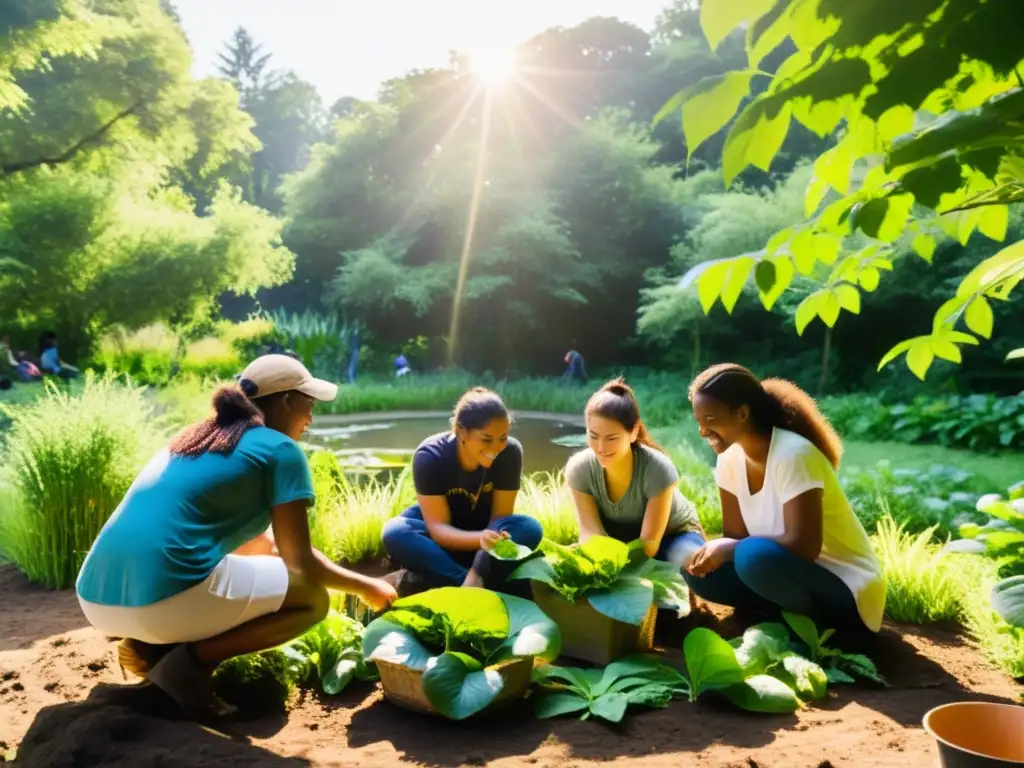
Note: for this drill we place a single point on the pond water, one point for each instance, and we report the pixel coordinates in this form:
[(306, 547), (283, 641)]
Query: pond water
[(383, 441)]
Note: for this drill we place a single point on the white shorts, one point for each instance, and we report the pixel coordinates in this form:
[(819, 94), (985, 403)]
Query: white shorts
[(240, 589)]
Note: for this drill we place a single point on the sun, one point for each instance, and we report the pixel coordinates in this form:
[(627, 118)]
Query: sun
[(493, 63)]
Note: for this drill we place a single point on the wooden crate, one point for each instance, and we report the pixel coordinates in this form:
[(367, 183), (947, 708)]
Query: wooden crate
[(402, 686), (589, 635)]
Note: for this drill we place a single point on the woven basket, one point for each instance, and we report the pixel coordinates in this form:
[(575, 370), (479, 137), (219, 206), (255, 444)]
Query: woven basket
[(402, 686), (589, 635)]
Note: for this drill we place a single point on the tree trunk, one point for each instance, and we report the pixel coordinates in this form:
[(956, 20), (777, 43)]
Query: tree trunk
[(696, 348), (825, 355)]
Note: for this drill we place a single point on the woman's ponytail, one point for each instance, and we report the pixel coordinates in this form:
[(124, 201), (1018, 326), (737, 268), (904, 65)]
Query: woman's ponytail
[(234, 413)]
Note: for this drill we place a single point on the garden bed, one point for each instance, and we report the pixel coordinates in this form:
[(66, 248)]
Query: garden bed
[(51, 665)]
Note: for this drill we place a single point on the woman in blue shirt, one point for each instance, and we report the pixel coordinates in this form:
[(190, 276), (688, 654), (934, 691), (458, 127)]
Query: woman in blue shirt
[(186, 570)]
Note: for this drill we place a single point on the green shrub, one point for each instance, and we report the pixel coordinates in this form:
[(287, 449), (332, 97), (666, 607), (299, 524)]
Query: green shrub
[(977, 422), (938, 497), (212, 356), (147, 354), (70, 459)]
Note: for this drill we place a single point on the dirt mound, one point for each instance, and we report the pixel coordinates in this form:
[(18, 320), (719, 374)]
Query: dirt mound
[(132, 726)]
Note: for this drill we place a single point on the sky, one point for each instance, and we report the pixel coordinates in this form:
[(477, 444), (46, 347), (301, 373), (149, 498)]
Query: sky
[(348, 47)]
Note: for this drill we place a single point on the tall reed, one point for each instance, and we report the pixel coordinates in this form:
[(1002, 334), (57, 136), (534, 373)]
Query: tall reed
[(70, 458)]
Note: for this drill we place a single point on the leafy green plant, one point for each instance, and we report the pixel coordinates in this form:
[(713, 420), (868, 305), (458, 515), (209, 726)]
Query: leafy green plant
[(919, 585), (714, 665), (1002, 539), (459, 638), (839, 666), (332, 653), (618, 580), (935, 498), (607, 693), (979, 422), (506, 549), (257, 682), (765, 649)]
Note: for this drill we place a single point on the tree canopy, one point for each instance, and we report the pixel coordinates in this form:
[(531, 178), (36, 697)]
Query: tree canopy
[(925, 101)]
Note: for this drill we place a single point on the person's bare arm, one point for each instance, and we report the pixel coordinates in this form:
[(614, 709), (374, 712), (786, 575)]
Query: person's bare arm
[(733, 526), (291, 535), (588, 515), (656, 516), (802, 517), (503, 504), (437, 515)]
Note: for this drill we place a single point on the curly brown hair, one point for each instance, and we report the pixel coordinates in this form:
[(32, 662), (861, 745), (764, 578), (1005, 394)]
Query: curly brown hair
[(233, 415), (617, 401), (772, 403)]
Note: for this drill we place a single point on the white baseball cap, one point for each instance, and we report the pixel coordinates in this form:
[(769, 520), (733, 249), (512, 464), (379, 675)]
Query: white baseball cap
[(270, 374)]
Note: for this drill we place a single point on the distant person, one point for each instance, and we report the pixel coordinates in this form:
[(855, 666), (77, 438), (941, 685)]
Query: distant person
[(791, 540), (49, 358), (186, 569), (625, 486), (576, 370), (18, 364), (402, 366), (466, 485), (352, 336)]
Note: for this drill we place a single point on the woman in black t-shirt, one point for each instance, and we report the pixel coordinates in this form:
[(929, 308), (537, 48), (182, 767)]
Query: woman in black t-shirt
[(466, 485)]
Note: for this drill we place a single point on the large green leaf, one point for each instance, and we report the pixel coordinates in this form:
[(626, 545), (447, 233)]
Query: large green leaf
[(535, 570), (670, 590), (755, 138), (760, 646), (1008, 600), (610, 707), (805, 677), (556, 704), (710, 661), (720, 17), (475, 615), (386, 641), (606, 553), (530, 633), (712, 103), (628, 601), (805, 629), (458, 686), (763, 693)]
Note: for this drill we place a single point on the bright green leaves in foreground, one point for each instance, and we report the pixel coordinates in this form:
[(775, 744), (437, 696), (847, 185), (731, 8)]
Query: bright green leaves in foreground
[(933, 125), (459, 638), (618, 580), (606, 693)]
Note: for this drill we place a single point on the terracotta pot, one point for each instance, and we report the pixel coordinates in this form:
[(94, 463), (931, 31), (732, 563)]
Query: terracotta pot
[(977, 734)]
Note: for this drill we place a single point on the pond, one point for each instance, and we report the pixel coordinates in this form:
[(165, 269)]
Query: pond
[(373, 442)]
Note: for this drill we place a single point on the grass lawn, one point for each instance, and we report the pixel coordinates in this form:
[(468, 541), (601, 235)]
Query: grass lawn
[(994, 473)]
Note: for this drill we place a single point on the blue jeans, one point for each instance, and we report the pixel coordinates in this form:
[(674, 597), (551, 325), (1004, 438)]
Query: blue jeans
[(766, 577), (409, 545)]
